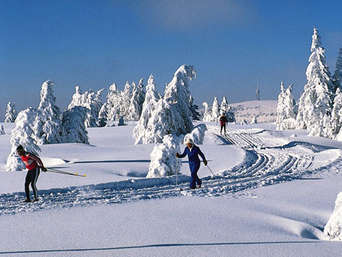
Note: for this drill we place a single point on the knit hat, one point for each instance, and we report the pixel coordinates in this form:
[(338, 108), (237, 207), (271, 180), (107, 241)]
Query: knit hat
[(188, 141)]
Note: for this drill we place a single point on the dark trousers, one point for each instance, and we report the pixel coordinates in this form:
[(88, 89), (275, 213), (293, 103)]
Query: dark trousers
[(31, 178), (194, 167), (223, 127)]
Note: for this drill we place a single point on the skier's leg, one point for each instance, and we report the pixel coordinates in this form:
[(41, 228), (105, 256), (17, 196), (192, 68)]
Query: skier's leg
[(28, 180), (197, 179), (34, 181), (193, 181), (193, 176)]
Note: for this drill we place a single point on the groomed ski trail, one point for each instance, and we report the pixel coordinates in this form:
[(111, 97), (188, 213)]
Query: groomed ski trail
[(262, 166)]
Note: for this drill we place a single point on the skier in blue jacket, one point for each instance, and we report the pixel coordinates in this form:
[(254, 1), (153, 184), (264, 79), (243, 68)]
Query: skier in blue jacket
[(194, 162)]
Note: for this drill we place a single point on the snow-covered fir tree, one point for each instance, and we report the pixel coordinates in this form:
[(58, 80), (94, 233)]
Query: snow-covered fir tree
[(110, 110), (11, 113), (207, 112), (74, 125), (95, 104), (142, 131), (47, 127), (334, 128), (224, 107), (163, 158), (172, 114), (136, 101), (337, 78), (125, 100), (215, 110), (78, 98), (22, 134), (90, 100), (286, 109), (315, 103), (194, 109)]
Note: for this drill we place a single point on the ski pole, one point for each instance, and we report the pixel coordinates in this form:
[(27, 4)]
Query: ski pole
[(211, 170), (65, 172)]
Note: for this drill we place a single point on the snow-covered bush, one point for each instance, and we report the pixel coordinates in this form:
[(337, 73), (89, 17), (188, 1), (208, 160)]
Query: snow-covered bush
[(163, 158), (172, 114), (11, 113), (333, 229), (197, 134), (47, 126), (22, 134), (142, 131), (74, 127), (316, 101), (286, 109)]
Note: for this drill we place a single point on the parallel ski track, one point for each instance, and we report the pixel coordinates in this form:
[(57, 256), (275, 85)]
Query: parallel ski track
[(262, 166)]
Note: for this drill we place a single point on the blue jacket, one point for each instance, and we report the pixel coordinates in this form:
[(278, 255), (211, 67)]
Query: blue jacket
[(193, 155)]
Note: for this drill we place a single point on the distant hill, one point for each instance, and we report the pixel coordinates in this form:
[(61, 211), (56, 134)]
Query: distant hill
[(264, 110)]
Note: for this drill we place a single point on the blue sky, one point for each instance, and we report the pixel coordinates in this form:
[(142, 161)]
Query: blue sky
[(233, 45)]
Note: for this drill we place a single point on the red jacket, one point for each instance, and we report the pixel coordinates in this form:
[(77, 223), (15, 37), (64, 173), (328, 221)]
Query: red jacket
[(223, 120), (31, 161)]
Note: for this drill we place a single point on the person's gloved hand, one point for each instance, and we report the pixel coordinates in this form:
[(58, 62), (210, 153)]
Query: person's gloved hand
[(177, 155), (205, 162), (44, 169)]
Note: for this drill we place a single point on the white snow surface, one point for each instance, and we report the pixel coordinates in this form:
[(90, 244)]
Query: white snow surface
[(263, 110), (272, 194)]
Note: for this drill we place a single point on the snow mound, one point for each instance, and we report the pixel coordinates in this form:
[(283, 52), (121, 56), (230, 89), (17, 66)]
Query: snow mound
[(52, 162), (333, 229)]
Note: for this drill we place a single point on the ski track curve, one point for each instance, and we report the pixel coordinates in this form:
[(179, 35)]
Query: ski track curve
[(262, 166)]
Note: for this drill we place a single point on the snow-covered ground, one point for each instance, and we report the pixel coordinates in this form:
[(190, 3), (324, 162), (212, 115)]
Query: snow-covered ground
[(263, 110), (272, 194)]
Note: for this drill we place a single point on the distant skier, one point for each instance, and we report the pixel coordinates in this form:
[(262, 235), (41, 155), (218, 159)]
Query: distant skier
[(223, 120), (33, 163), (194, 162)]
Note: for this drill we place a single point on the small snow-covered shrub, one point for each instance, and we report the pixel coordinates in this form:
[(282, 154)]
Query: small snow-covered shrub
[(333, 229), (163, 158)]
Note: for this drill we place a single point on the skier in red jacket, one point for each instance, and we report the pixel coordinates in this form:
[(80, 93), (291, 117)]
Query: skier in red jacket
[(223, 121), (33, 163)]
